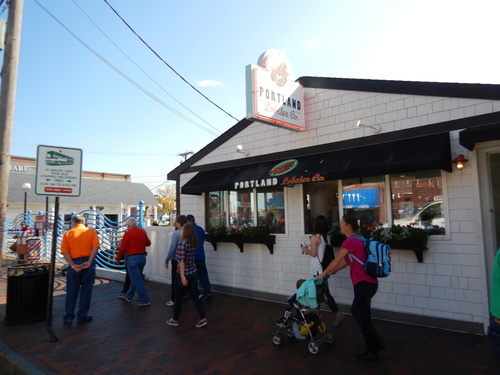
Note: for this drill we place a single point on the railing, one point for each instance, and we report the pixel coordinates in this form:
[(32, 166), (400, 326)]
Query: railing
[(110, 234)]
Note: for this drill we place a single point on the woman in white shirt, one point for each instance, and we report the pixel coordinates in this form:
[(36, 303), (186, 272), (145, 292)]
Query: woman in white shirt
[(316, 250)]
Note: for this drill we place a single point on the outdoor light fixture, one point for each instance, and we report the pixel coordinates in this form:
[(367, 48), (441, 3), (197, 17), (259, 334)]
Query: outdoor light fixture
[(376, 128), (239, 148), (459, 161)]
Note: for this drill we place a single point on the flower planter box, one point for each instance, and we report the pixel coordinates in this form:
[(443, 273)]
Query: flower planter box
[(269, 240), (418, 245)]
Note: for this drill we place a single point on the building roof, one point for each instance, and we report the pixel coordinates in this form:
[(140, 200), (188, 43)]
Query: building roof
[(452, 90), (93, 192)]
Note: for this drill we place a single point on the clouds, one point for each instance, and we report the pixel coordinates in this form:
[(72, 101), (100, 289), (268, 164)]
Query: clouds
[(208, 83)]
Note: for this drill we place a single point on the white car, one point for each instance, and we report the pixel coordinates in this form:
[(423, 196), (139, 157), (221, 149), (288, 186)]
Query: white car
[(430, 216)]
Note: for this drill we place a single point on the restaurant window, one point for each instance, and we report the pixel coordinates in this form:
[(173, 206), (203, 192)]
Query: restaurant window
[(247, 207), (271, 209), (216, 208), (417, 200), (241, 207), (320, 199), (365, 198)]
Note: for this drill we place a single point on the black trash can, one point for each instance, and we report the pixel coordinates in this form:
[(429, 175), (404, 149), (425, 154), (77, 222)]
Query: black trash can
[(27, 293)]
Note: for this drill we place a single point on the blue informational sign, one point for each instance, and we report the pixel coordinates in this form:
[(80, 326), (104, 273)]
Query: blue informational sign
[(361, 198)]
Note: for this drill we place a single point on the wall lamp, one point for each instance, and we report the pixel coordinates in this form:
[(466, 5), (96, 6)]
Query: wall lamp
[(239, 148), (459, 161), (376, 128)]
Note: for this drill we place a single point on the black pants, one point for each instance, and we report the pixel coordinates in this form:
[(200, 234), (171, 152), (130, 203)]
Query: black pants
[(361, 311)]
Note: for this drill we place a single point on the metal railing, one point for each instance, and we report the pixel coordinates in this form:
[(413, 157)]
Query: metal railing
[(39, 248)]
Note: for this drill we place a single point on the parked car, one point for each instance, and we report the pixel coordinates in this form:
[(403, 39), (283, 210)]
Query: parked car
[(430, 217)]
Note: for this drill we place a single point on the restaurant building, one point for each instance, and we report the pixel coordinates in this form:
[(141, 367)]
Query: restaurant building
[(386, 151)]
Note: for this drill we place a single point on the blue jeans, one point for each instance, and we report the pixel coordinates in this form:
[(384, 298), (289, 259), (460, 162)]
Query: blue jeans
[(78, 283), (494, 336), (135, 266), (192, 289), (203, 276)]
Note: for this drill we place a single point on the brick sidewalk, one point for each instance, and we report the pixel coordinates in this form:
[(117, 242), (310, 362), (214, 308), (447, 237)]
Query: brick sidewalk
[(126, 339)]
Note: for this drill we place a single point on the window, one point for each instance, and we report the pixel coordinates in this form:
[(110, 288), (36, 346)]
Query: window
[(320, 199), (216, 208), (271, 209), (241, 208), (365, 198), (417, 199), (247, 207)]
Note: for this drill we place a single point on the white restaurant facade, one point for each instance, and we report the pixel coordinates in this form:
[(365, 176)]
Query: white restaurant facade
[(382, 150)]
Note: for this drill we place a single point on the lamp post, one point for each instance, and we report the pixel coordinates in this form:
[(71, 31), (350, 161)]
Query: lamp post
[(26, 186)]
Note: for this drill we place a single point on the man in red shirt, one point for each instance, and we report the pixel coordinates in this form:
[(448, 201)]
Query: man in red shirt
[(134, 244)]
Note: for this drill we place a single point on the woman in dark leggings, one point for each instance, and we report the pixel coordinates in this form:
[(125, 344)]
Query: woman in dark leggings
[(365, 286)]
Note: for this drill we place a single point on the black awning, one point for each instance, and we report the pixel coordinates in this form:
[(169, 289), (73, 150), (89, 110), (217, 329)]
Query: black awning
[(406, 155), (469, 137)]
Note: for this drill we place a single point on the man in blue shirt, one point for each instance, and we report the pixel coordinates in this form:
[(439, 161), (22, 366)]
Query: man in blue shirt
[(199, 257), (171, 257)]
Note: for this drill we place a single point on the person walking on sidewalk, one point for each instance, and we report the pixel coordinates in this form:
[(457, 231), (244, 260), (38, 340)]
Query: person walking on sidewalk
[(134, 244), (172, 257), (79, 247), (187, 276), (199, 258), (365, 286), (319, 239)]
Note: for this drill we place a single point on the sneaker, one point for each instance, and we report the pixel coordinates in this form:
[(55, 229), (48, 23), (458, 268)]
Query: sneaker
[(170, 303), (201, 296), (125, 298), (122, 296), (144, 303), (338, 318), (201, 323), (172, 322), (208, 296)]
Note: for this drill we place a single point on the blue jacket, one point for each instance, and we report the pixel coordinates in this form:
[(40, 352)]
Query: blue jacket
[(176, 238), (200, 235), (306, 294)]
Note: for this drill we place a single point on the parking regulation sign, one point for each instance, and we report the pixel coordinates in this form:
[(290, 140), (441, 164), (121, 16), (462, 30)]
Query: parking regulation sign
[(58, 171)]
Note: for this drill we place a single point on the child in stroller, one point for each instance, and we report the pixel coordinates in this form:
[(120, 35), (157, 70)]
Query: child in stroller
[(301, 318)]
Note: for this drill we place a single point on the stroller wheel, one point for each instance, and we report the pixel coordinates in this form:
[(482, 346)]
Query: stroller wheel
[(313, 347), (289, 332), (329, 337), (278, 339)]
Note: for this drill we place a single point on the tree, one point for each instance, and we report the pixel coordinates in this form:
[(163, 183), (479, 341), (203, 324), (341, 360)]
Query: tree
[(166, 199)]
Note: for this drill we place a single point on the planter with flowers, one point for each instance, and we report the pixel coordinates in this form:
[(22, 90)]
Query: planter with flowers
[(240, 236), (403, 237)]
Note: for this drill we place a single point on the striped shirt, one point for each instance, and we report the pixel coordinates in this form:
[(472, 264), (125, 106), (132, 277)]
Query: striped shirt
[(185, 253)]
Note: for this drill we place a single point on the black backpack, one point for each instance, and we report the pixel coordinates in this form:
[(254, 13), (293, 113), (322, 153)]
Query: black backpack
[(328, 256)]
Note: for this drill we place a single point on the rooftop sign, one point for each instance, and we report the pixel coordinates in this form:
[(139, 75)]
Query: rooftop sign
[(272, 95)]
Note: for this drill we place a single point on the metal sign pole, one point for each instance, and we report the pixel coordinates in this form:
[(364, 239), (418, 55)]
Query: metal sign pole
[(50, 330)]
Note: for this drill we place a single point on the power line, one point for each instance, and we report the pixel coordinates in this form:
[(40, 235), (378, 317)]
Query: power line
[(161, 59), (124, 75), (133, 62)]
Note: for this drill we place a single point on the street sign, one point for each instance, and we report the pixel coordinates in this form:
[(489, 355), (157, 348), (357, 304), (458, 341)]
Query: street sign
[(58, 171)]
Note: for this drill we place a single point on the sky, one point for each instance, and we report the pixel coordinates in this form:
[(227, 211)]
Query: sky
[(86, 81)]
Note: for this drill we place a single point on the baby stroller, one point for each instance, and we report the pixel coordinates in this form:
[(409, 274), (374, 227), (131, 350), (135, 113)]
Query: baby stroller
[(303, 321)]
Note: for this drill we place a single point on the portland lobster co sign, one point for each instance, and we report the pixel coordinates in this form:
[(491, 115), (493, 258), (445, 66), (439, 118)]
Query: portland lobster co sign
[(275, 178), (272, 95)]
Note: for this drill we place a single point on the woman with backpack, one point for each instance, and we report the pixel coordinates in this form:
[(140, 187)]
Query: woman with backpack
[(319, 240), (365, 286)]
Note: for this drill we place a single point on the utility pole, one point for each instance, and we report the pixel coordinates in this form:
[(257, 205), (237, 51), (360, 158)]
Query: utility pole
[(185, 155), (7, 100)]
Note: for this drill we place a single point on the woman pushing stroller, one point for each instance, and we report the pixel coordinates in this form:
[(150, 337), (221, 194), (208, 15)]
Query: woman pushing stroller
[(365, 286)]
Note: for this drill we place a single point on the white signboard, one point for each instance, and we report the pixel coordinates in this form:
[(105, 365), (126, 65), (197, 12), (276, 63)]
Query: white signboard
[(272, 95), (58, 171)]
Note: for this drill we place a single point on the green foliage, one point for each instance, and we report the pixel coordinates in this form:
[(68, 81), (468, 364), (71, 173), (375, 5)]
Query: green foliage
[(217, 230), (398, 232)]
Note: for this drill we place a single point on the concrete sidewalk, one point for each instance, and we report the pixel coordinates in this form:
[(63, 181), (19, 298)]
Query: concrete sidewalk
[(127, 339)]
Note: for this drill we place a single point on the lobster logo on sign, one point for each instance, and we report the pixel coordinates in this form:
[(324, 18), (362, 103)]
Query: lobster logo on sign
[(283, 167)]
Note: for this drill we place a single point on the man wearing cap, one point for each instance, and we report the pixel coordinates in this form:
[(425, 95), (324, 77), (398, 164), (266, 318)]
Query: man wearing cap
[(134, 244), (79, 247), (199, 257)]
